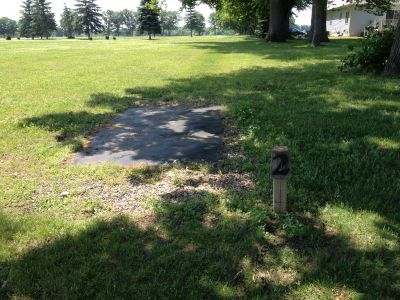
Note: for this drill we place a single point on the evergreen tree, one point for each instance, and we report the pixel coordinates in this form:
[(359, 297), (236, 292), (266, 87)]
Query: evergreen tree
[(190, 19), (149, 18), (43, 21), (89, 16), (25, 23), (67, 22)]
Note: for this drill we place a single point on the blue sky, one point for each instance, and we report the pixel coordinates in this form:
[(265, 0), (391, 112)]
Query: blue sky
[(11, 8)]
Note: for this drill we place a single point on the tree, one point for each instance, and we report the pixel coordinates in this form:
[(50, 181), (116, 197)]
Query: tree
[(279, 20), (89, 16), (279, 16), (319, 33), (117, 22), (25, 23), (43, 21), (169, 20), (200, 23), (129, 20), (243, 16), (77, 25), (108, 22), (393, 64), (213, 21), (67, 22), (380, 6), (8, 27), (190, 18), (149, 18)]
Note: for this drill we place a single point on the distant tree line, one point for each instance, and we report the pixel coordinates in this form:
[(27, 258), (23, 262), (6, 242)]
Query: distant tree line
[(270, 19), (38, 21)]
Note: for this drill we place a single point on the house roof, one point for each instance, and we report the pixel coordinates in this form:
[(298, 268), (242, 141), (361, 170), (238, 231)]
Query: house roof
[(341, 7), (395, 2)]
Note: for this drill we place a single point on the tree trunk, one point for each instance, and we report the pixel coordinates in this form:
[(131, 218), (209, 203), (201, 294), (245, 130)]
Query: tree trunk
[(319, 34), (311, 34), (278, 20), (149, 36), (393, 64)]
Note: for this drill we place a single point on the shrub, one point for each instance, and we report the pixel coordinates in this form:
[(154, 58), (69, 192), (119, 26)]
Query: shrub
[(90, 39), (18, 38), (71, 37), (114, 38), (8, 38), (107, 37), (374, 52)]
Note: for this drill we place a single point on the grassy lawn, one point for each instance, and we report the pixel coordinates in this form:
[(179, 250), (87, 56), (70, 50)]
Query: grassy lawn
[(108, 238)]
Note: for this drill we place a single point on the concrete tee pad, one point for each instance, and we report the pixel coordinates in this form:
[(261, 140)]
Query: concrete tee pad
[(157, 136)]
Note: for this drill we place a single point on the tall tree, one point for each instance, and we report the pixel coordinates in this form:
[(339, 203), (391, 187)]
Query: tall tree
[(190, 18), (43, 21), (169, 20), (213, 21), (90, 16), (200, 23), (279, 20), (393, 64), (319, 33), (67, 22), (117, 21), (149, 17), (8, 27), (129, 20), (25, 23), (279, 16), (108, 21)]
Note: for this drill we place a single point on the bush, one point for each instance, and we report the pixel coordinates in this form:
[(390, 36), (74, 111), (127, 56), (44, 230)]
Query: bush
[(90, 39), (18, 38), (114, 38), (71, 37), (374, 52), (107, 37), (8, 38)]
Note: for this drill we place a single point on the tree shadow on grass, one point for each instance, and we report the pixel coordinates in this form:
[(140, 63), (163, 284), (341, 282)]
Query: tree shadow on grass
[(342, 130), (192, 250), (290, 51), (71, 127), (118, 259)]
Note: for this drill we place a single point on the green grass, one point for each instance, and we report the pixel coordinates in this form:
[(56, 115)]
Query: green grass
[(340, 239)]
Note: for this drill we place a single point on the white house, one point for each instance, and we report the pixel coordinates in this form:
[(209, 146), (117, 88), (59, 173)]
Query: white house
[(348, 20)]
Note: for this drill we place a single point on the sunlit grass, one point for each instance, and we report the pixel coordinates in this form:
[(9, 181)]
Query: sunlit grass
[(340, 239)]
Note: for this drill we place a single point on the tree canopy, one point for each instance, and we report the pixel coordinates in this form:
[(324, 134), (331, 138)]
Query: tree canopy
[(90, 16), (149, 17), (8, 27)]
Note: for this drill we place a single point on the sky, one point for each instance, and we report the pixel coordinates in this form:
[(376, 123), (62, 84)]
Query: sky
[(11, 8)]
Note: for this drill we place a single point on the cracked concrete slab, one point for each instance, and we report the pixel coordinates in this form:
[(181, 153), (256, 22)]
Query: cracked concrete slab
[(157, 136)]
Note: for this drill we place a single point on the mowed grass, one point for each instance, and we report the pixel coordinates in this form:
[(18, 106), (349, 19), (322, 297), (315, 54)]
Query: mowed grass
[(340, 239)]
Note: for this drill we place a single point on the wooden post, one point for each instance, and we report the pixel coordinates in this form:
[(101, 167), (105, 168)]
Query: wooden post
[(280, 171)]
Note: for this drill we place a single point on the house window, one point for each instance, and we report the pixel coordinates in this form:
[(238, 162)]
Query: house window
[(347, 17)]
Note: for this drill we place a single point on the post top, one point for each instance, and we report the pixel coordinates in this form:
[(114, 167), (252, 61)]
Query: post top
[(280, 149)]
